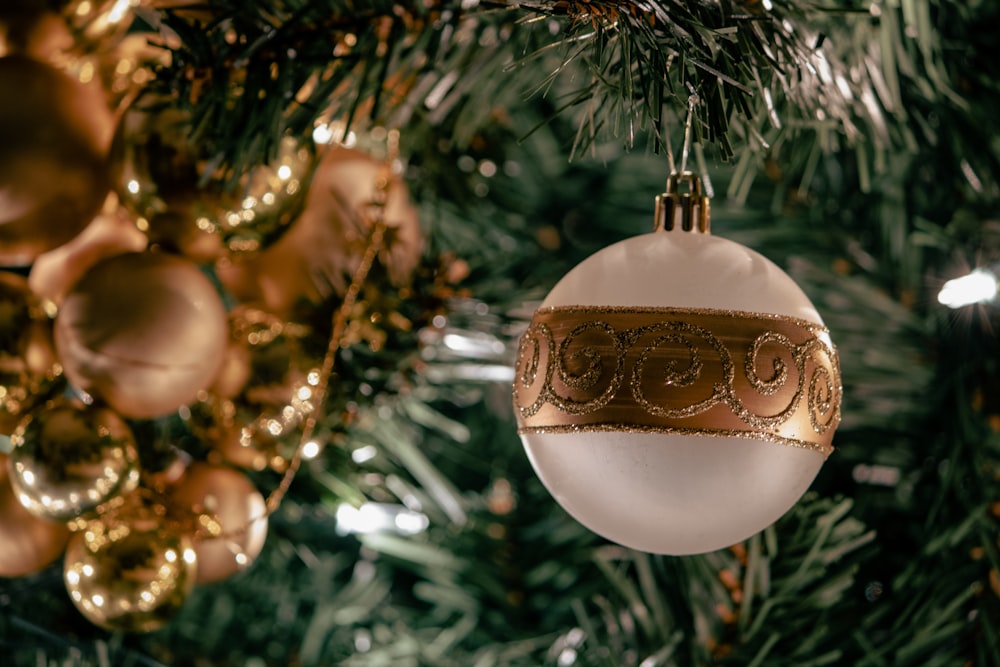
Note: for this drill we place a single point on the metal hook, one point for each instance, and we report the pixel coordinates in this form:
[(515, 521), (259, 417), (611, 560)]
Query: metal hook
[(684, 211)]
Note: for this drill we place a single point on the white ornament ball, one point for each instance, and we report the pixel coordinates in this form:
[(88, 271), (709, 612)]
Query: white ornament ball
[(677, 392), (144, 332)]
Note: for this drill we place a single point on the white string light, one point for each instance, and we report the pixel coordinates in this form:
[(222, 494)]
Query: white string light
[(979, 286)]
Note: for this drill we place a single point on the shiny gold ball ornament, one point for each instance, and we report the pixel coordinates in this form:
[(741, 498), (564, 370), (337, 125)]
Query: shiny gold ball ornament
[(677, 392), (238, 434), (71, 459), (54, 136), (257, 426), (145, 332), (185, 203), (27, 543), (98, 22), (230, 501), (28, 363), (320, 251), (281, 390), (128, 571)]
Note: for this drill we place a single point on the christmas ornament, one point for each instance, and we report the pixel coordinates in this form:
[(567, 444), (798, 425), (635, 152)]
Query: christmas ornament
[(218, 423), (232, 502), (143, 331), (54, 135), (130, 64), (127, 571), (86, 42), (28, 363), (78, 29), (185, 203), (27, 29), (27, 543), (320, 251), (110, 233), (71, 459), (98, 22), (677, 392), (236, 368), (256, 426)]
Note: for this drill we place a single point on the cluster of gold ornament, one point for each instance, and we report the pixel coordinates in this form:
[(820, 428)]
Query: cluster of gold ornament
[(139, 282)]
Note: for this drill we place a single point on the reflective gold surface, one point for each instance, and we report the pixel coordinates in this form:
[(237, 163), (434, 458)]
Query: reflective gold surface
[(184, 204), (70, 459), (27, 543), (129, 573), (28, 363), (706, 372)]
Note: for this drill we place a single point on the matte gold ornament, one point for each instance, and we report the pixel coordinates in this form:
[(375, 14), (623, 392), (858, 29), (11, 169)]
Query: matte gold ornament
[(27, 29), (324, 246), (229, 500), (677, 392), (145, 332), (185, 203), (28, 363), (54, 136), (27, 543), (235, 372), (110, 233), (128, 571), (71, 459), (85, 41)]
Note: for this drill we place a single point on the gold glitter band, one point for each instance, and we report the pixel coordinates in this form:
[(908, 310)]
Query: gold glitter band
[(689, 371)]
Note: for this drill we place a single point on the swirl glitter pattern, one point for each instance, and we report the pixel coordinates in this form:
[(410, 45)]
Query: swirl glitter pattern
[(691, 371)]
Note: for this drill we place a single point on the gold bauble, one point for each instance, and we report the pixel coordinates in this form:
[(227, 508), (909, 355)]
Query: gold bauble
[(257, 426), (126, 571), (215, 421), (98, 22), (54, 135), (234, 505), (27, 356), (71, 459), (27, 30), (249, 445), (235, 371), (111, 233), (282, 372), (323, 248), (281, 390), (87, 42), (143, 331), (27, 543), (185, 203), (131, 64), (238, 435), (258, 441)]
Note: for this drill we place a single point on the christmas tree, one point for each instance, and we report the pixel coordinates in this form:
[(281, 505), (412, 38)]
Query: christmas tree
[(265, 270)]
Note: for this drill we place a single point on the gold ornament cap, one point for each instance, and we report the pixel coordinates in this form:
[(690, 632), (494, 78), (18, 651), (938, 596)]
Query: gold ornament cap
[(687, 210)]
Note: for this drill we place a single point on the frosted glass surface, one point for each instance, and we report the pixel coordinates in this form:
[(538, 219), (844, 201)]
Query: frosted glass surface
[(682, 270), (671, 494), (675, 494)]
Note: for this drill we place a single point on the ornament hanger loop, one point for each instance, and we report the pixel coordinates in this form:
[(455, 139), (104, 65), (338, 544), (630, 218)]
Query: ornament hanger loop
[(693, 100), (683, 211)]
